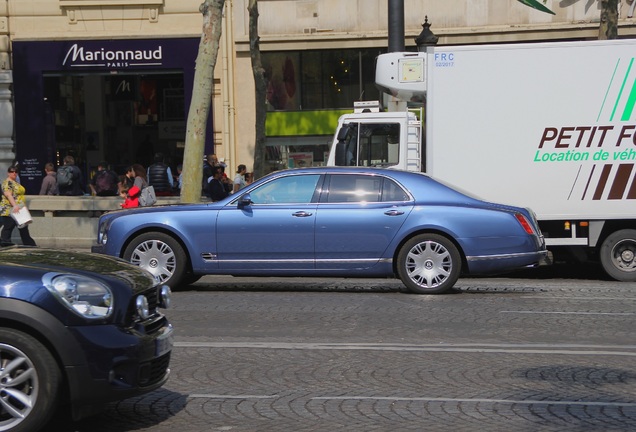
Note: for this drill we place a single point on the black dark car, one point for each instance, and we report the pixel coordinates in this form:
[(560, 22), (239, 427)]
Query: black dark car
[(77, 330)]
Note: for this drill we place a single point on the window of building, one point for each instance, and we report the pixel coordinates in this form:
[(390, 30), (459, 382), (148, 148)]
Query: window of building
[(321, 79)]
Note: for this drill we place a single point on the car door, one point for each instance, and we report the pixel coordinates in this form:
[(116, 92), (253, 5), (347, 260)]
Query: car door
[(275, 232), (357, 218)]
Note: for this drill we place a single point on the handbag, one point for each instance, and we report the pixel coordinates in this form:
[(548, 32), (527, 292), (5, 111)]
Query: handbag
[(147, 197), (22, 217)]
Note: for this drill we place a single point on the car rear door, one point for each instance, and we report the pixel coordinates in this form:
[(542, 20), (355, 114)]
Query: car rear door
[(357, 218)]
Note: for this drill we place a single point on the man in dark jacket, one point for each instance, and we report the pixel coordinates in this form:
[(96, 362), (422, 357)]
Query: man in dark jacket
[(70, 181), (216, 188), (208, 172), (104, 182), (160, 176)]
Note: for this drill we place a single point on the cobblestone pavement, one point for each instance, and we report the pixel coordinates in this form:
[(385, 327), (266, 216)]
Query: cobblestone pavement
[(361, 355)]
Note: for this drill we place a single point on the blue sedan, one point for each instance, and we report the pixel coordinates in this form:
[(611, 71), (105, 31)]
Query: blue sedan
[(329, 221)]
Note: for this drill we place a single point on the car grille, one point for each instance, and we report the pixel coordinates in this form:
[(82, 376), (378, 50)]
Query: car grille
[(153, 371)]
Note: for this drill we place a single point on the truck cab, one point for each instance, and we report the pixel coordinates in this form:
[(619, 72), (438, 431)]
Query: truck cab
[(372, 138)]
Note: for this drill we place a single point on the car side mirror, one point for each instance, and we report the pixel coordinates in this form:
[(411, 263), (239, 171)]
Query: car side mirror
[(245, 200)]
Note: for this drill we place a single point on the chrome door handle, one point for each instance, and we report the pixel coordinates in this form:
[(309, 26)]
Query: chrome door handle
[(301, 214), (393, 213)]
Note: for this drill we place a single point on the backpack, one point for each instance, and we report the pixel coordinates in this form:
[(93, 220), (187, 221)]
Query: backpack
[(147, 197), (64, 175), (104, 182)]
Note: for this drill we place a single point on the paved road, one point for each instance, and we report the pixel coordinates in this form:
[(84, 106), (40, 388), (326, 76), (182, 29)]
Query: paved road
[(506, 354)]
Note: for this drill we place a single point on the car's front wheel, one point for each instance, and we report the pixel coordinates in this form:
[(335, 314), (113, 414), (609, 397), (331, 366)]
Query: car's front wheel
[(429, 264), (29, 382), (161, 255)]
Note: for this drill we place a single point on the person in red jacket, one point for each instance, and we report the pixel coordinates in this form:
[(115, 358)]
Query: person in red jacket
[(131, 197)]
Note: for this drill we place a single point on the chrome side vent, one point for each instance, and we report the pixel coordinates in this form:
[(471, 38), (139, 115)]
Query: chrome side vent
[(208, 256)]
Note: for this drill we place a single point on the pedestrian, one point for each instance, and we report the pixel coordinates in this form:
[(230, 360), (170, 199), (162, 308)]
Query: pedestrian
[(69, 178), (13, 200), (216, 188), (239, 178), (160, 176), (131, 197), (104, 182), (139, 176), (208, 171), (127, 180), (179, 178), (49, 183)]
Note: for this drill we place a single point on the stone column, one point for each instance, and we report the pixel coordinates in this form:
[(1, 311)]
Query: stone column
[(7, 154)]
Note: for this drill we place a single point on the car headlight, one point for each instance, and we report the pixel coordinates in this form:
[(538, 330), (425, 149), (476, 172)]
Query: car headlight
[(102, 235), (84, 295)]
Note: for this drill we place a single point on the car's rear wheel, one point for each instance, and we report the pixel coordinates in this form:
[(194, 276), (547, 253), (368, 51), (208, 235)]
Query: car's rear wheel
[(429, 264), (161, 255), (618, 255), (29, 382)]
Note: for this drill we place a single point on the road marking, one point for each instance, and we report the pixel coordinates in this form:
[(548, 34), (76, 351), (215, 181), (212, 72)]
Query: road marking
[(572, 313), (464, 400), (563, 349), (583, 298), (427, 399), (220, 396)]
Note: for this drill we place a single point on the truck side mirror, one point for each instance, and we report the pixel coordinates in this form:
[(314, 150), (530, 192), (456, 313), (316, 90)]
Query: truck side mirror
[(342, 133), (341, 146), (341, 153)]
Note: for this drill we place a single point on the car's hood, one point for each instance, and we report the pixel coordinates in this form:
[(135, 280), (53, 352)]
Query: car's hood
[(68, 261)]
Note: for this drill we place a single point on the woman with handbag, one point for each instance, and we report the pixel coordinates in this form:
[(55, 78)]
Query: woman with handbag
[(12, 201)]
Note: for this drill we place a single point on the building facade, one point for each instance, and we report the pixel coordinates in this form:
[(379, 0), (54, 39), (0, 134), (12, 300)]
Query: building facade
[(112, 79)]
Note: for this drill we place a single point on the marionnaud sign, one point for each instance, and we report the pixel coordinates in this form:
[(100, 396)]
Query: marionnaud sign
[(79, 56)]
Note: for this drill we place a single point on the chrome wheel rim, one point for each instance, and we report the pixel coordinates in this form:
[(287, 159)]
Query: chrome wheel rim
[(157, 257), (18, 387), (429, 264)]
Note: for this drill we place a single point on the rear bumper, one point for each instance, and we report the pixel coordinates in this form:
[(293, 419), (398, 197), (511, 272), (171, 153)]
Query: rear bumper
[(506, 262)]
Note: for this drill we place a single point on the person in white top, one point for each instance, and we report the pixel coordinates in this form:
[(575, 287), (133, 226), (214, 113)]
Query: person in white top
[(239, 178)]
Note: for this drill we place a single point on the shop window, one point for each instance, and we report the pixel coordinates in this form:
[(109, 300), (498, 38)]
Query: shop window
[(326, 79)]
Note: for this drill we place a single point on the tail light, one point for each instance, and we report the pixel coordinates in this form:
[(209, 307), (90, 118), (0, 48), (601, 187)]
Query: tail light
[(525, 224)]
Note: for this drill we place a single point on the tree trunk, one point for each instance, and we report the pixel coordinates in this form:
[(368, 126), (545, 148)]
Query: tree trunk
[(193, 154), (260, 84), (609, 20)]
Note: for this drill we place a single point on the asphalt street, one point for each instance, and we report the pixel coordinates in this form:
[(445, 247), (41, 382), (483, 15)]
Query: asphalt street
[(497, 354)]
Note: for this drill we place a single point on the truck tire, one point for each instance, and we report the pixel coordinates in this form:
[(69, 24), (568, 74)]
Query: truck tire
[(29, 382), (429, 264), (618, 255), (161, 255)]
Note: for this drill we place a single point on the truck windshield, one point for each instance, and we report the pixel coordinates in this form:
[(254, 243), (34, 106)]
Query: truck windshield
[(372, 144)]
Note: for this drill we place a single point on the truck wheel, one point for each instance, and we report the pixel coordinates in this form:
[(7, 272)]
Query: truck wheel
[(618, 255), (161, 255), (29, 382), (429, 264)]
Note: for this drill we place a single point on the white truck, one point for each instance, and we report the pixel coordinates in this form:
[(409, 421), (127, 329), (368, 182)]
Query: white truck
[(548, 125)]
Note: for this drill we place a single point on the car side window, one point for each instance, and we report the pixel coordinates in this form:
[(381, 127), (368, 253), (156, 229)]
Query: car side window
[(296, 189), (391, 191), (345, 188)]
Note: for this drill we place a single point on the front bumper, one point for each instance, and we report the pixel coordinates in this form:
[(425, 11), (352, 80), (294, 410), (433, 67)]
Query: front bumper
[(120, 363), (98, 248)]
